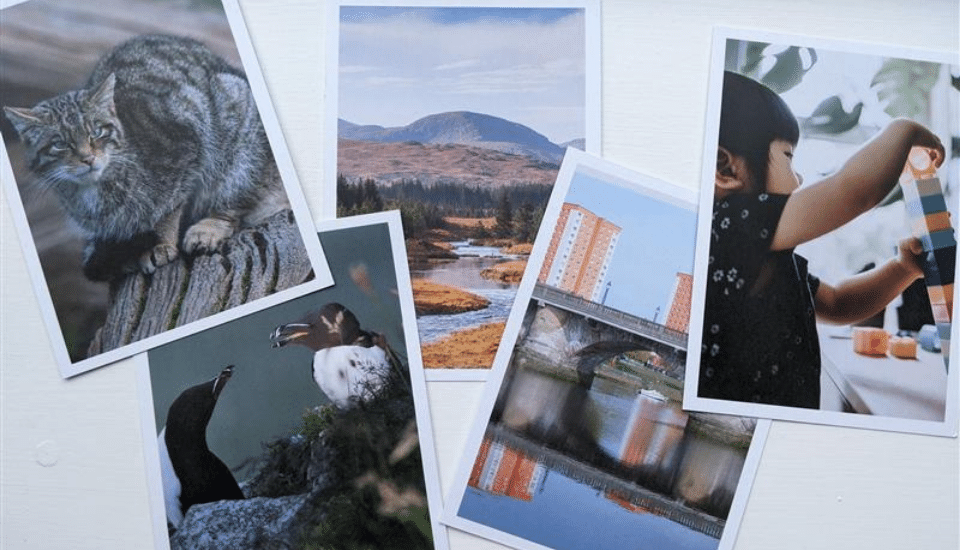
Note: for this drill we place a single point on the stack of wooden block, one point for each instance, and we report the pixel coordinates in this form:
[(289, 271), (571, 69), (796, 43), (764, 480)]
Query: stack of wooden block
[(930, 220)]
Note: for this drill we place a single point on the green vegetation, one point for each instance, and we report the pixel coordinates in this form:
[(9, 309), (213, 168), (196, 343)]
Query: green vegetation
[(379, 499), (424, 207), (315, 421)]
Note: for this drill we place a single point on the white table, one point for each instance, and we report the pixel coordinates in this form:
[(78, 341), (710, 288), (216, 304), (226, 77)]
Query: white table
[(885, 386)]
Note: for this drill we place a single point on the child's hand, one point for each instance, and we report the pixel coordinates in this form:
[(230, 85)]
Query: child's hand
[(909, 253), (923, 137)]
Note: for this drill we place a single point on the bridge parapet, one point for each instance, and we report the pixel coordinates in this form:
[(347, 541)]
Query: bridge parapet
[(614, 317)]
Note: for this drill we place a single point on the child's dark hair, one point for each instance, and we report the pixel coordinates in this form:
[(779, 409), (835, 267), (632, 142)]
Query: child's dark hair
[(752, 116)]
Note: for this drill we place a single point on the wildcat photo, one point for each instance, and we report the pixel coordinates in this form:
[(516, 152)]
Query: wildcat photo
[(147, 176)]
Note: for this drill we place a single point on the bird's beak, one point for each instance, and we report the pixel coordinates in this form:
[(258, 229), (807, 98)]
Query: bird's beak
[(285, 334), (221, 380)]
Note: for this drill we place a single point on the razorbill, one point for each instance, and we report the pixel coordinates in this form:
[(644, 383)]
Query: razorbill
[(190, 472), (350, 365)]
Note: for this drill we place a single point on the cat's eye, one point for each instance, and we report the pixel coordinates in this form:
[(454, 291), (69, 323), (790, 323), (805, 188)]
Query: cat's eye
[(101, 131), (58, 146)]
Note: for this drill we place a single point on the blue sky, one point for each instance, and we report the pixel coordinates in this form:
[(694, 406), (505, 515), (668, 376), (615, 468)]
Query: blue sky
[(657, 242), (525, 65), (452, 15)]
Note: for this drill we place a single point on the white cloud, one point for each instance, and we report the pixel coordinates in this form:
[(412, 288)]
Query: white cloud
[(456, 65), (503, 68)]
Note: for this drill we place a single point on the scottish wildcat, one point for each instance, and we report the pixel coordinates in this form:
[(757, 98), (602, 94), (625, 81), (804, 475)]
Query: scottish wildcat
[(162, 151)]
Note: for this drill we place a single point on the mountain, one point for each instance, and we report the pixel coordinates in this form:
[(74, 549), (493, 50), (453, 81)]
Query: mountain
[(461, 128), (433, 163)]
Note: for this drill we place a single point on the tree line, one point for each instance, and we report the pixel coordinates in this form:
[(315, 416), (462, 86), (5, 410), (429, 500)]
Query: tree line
[(517, 209)]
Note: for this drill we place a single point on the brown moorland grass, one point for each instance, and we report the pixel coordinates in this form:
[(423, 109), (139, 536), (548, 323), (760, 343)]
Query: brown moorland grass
[(507, 272), (431, 298), (518, 249), (467, 349)]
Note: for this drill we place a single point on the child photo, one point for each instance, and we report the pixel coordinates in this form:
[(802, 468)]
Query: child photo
[(445, 112), (827, 250), (150, 185), (304, 425), (582, 441)]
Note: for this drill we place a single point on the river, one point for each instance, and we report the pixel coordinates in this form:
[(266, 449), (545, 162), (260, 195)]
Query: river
[(464, 273), (681, 474)]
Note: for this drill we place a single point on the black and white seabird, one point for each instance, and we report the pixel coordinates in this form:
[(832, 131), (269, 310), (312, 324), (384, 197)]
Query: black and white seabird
[(190, 472), (350, 365)]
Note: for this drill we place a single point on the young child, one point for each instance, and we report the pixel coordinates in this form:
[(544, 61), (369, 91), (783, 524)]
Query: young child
[(759, 333)]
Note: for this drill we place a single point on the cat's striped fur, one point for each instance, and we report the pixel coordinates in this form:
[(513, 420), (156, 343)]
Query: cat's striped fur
[(163, 151)]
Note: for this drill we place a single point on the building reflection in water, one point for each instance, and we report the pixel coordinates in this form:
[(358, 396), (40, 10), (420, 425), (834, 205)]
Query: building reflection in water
[(652, 442), (688, 461), (503, 470)]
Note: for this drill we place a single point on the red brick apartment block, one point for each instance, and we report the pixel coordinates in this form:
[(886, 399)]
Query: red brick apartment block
[(580, 251), (678, 317)]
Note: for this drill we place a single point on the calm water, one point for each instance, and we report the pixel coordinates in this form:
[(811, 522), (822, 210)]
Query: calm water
[(464, 273), (568, 515), (644, 431)]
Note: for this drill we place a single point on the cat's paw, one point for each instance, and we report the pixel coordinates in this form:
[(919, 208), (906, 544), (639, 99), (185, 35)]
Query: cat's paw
[(157, 257), (207, 235)]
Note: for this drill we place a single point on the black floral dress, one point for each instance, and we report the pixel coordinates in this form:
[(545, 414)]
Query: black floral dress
[(759, 332)]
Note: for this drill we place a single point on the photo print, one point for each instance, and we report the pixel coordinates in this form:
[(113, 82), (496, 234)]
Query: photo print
[(317, 425), (146, 172), (447, 112), (581, 440), (827, 245)]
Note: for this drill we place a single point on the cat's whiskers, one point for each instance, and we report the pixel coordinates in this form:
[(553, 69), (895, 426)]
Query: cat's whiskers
[(43, 185), (120, 159)]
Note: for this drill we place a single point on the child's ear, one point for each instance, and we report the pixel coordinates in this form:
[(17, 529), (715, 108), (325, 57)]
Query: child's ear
[(731, 171)]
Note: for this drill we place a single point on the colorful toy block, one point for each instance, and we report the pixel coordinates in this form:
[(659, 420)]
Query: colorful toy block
[(903, 347), (870, 341), (928, 338), (930, 221)]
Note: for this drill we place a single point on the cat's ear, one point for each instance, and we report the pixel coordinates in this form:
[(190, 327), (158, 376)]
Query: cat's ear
[(22, 118), (101, 98)]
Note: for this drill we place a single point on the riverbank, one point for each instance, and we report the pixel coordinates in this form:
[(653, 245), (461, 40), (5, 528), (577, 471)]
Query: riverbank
[(431, 298), (506, 272), (434, 244), (473, 348)]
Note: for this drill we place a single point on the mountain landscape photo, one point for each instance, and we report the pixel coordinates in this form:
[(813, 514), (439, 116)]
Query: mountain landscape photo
[(447, 114), (471, 189)]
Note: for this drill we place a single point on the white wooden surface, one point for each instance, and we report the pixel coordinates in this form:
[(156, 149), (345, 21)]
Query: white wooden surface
[(72, 472)]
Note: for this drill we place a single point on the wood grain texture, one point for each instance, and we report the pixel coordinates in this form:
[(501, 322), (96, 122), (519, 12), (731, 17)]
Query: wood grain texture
[(250, 265), (817, 487)]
